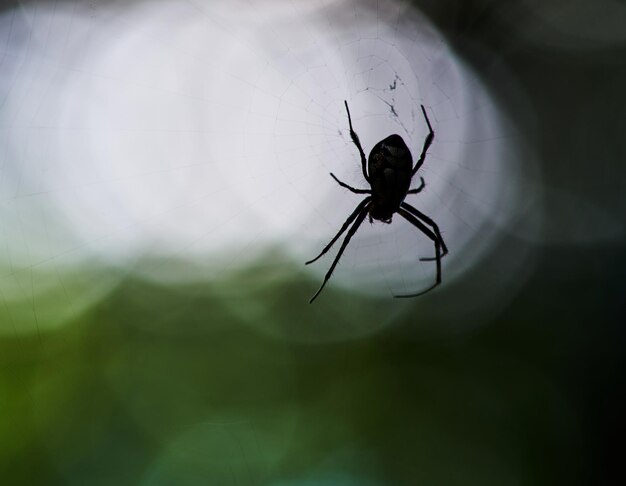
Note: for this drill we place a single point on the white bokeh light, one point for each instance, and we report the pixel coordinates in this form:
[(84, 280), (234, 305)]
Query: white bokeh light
[(205, 132)]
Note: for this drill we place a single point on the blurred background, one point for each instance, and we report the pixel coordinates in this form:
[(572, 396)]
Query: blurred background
[(164, 175)]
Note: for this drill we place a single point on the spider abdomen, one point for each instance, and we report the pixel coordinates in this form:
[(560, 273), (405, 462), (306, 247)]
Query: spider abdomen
[(390, 164)]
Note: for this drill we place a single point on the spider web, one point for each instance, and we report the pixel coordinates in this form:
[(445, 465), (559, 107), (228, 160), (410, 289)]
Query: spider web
[(204, 132), (185, 141)]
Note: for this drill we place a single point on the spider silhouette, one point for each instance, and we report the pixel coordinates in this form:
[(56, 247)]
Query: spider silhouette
[(389, 173)]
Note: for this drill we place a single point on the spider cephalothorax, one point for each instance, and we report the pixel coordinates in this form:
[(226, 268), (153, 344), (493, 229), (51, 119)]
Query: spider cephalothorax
[(390, 172)]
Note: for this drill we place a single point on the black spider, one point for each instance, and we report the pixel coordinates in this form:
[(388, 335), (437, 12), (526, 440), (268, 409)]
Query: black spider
[(391, 170)]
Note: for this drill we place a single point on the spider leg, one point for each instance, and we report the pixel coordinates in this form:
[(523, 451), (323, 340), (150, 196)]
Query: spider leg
[(350, 234), (350, 188), (427, 142), (418, 189), (427, 220), (347, 223), (428, 232), (357, 142)]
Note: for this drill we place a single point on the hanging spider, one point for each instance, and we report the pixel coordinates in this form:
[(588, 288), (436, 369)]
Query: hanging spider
[(389, 173)]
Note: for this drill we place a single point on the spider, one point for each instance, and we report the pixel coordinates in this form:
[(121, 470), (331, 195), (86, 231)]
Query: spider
[(389, 173)]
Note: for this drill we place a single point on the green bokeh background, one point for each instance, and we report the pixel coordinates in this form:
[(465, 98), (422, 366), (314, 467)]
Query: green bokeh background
[(240, 381)]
